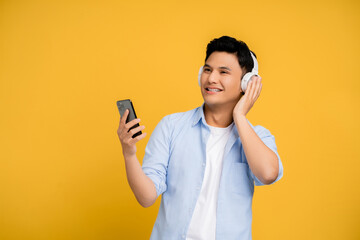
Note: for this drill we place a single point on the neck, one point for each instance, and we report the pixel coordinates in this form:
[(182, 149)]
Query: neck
[(218, 116)]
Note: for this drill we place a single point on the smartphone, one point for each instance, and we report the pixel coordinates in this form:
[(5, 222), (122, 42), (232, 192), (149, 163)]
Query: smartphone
[(127, 104)]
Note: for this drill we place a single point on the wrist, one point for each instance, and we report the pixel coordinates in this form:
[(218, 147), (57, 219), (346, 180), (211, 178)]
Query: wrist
[(239, 117), (129, 156)]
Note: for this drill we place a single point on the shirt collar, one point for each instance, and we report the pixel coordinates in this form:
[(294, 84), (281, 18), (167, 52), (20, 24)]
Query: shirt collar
[(199, 114)]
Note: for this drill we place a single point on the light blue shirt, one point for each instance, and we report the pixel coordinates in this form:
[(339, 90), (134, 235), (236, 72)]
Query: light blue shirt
[(175, 161)]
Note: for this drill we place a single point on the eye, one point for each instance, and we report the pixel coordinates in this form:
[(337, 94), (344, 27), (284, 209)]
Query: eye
[(223, 72), (206, 69)]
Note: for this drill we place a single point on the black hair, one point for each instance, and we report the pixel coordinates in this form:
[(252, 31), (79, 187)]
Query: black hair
[(231, 45)]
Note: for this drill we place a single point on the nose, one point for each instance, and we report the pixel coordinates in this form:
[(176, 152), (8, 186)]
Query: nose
[(213, 77)]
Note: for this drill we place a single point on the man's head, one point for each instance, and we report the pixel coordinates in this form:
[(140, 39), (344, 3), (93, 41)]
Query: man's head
[(231, 45), (227, 61)]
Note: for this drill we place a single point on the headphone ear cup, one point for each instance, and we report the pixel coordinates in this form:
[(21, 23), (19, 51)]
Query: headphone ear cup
[(199, 75), (246, 79)]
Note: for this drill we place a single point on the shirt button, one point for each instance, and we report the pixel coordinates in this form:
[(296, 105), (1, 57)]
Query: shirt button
[(183, 236), (203, 164)]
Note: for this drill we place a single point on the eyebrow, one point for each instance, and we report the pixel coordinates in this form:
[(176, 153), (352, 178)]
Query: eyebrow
[(223, 67)]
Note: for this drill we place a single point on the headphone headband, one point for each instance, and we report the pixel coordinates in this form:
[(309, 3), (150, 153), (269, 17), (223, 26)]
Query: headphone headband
[(256, 66)]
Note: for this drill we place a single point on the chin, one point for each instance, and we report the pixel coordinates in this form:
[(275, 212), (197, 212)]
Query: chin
[(220, 102), (213, 102)]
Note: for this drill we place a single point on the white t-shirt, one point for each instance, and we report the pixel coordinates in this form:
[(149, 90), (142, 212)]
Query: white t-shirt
[(203, 222)]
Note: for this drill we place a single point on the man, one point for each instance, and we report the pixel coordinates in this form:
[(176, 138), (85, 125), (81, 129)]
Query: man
[(205, 161)]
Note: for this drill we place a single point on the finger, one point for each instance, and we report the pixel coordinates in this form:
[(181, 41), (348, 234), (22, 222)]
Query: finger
[(256, 88), (258, 91), (126, 136), (132, 123), (260, 86), (135, 130), (138, 138), (122, 124), (248, 88), (252, 89), (124, 117)]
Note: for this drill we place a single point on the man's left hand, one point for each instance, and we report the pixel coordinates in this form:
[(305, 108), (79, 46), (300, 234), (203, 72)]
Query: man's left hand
[(249, 98)]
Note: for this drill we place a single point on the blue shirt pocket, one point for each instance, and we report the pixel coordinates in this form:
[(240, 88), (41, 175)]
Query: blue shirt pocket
[(240, 181)]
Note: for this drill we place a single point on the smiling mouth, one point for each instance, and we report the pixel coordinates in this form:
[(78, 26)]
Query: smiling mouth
[(213, 90)]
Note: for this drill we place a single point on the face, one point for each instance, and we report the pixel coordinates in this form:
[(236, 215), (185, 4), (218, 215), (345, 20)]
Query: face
[(220, 79)]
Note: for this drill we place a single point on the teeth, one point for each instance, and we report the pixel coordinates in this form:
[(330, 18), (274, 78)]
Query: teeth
[(213, 90)]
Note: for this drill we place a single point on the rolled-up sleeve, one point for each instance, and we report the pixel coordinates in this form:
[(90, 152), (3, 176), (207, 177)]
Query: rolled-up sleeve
[(269, 140), (157, 152)]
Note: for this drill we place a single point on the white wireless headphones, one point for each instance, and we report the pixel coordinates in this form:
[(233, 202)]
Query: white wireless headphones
[(246, 78)]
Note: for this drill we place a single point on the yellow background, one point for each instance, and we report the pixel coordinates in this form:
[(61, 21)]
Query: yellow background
[(64, 64)]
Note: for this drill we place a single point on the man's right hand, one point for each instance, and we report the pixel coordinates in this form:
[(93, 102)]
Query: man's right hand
[(141, 185), (125, 136)]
